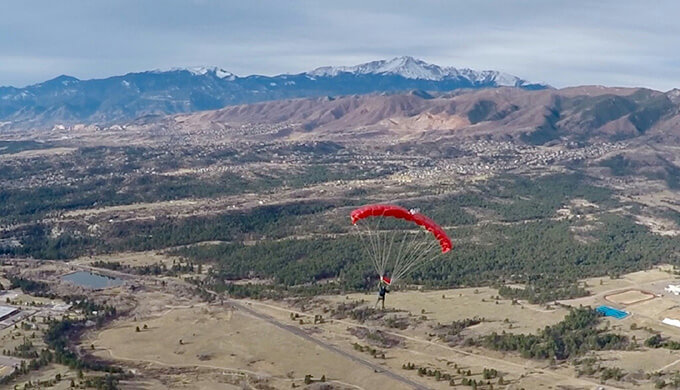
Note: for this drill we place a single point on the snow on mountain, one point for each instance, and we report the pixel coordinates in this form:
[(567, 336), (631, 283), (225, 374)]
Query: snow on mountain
[(412, 68), (223, 74), (201, 71), (407, 67), (66, 99), (674, 95)]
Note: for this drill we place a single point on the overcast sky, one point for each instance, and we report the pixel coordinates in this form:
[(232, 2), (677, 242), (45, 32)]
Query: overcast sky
[(623, 43)]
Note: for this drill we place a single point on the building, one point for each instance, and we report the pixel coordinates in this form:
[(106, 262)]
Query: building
[(673, 288), (672, 322), (7, 311)]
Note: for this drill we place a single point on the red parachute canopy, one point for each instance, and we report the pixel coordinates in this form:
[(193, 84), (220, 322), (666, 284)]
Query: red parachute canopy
[(388, 210)]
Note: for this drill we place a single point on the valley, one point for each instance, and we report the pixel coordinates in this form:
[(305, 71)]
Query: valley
[(229, 232)]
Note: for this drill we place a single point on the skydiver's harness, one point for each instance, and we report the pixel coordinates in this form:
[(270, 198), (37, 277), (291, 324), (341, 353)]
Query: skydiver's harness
[(382, 291)]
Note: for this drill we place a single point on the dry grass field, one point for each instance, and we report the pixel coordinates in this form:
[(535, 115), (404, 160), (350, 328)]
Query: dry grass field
[(416, 346), (255, 344), (48, 373), (224, 342), (600, 285), (133, 259), (445, 306), (229, 342)]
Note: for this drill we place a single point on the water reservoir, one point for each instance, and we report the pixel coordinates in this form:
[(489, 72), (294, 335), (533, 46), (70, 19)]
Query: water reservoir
[(90, 280), (611, 312)]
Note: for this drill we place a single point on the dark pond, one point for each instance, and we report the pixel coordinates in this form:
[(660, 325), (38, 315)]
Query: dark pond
[(90, 280)]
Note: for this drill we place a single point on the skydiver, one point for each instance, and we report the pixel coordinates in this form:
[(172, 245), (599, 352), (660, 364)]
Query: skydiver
[(383, 288)]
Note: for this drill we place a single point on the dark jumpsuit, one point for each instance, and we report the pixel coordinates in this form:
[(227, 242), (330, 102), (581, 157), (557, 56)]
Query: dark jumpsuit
[(381, 294)]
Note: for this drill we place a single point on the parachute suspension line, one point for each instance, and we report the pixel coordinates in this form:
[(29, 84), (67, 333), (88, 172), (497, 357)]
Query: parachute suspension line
[(405, 269), (398, 258), (419, 264), (410, 240), (380, 243), (374, 238), (366, 243), (421, 253), (415, 247), (389, 238), (425, 257), (380, 249)]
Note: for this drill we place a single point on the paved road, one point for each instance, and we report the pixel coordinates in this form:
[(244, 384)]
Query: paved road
[(8, 361), (300, 333)]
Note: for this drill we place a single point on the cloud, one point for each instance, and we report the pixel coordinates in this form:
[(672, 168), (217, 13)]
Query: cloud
[(563, 43)]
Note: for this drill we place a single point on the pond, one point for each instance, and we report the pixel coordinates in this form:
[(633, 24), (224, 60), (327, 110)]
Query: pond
[(90, 280)]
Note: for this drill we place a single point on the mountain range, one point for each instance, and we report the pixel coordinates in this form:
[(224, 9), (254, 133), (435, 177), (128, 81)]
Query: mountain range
[(68, 100), (579, 114)]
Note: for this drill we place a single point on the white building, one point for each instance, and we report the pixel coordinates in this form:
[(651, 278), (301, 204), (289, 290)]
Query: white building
[(673, 288), (7, 311), (672, 322)]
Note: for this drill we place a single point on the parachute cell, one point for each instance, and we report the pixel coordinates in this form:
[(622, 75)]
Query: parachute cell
[(387, 210), (391, 242)]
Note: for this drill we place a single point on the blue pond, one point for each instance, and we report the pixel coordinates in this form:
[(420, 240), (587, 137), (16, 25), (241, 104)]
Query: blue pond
[(611, 312), (90, 280)]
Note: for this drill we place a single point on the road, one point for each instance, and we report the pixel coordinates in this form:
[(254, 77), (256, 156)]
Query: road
[(301, 333), (9, 361)]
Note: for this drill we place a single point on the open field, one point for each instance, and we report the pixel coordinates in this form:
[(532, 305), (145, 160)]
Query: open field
[(37, 153), (132, 259), (445, 306), (231, 342), (257, 343), (49, 373), (425, 351), (599, 285), (239, 334)]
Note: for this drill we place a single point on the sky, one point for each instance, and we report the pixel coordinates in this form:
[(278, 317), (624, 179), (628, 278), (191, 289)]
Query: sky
[(562, 43)]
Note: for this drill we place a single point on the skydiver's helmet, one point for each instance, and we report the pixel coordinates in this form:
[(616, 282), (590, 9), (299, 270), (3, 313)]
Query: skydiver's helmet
[(385, 279)]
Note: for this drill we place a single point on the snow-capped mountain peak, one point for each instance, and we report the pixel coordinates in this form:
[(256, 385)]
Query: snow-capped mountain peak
[(413, 68), (407, 67), (202, 71), (66, 99)]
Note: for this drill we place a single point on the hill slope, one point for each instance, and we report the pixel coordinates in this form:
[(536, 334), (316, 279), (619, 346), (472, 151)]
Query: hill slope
[(536, 117)]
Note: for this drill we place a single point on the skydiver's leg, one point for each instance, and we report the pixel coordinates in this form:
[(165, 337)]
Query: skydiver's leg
[(383, 303)]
